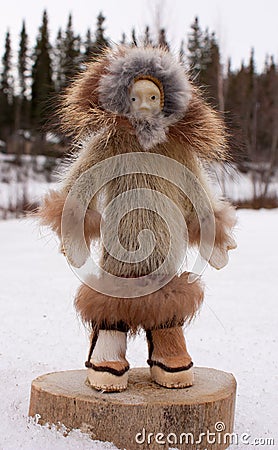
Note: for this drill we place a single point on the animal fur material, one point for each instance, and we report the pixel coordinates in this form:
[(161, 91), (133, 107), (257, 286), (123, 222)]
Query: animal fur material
[(95, 112), (174, 304), (187, 118)]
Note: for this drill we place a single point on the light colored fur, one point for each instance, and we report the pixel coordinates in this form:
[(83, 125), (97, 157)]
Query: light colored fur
[(172, 380), (51, 210), (163, 221), (110, 346)]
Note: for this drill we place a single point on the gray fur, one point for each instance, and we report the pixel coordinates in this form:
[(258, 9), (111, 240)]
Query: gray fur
[(124, 68), (150, 131)]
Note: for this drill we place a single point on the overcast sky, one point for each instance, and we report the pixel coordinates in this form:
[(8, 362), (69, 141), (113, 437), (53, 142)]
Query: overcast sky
[(239, 24)]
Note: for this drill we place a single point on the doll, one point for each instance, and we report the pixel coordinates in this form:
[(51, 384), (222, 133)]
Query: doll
[(137, 104)]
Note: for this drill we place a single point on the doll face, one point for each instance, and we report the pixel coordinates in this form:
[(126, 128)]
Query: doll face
[(145, 98)]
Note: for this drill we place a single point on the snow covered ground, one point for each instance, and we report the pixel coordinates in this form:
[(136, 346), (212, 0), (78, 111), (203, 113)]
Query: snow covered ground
[(39, 331)]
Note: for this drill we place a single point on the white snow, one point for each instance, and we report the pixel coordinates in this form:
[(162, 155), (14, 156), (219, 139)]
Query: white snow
[(236, 330)]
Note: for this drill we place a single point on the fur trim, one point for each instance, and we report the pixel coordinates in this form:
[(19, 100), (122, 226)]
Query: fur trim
[(51, 210), (192, 124), (225, 221), (175, 303), (150, 131), (125, 66), (128, 63), (201, 129)]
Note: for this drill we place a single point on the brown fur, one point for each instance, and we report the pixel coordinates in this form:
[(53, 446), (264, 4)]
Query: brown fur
[(225, 220), (51, 210), (177, 302), (80, 112), (169, 347), (199, 134), (201, 130), (114, 365), (119, 142)]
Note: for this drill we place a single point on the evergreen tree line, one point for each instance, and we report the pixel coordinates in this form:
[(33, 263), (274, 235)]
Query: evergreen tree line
[(247, 99)]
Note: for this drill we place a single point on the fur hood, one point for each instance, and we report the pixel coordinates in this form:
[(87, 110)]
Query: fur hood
[(99, 98), (125, 66)]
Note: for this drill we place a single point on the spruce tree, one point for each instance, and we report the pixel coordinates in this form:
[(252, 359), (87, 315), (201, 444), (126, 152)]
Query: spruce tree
[(133, 38), (251, 107), (42, 84), (6, 76), (162, 41), (123, 39), (182, 53), (268, 114), (88, 45), (240, 104), (147, 38), (100, 42), (211, 75), (195, 49), (22, 62), (6, 91), (71, 53), (22, 114), (205, 65), (57, 61)]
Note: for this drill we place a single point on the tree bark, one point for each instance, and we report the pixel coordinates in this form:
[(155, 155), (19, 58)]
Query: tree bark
[(145, 416)]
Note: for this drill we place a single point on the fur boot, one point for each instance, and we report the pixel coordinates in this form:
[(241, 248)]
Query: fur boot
[(107, 364), (170, 363)]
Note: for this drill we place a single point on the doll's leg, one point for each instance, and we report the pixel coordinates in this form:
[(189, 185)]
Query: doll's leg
[(170, 363), (172, 306), (161, 312), (107, 365)]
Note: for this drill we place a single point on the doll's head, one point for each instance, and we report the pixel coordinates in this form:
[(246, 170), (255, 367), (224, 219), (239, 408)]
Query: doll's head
[(146, 96)]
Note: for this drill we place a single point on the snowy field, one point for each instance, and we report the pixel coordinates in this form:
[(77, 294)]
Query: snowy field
[(39, 333)]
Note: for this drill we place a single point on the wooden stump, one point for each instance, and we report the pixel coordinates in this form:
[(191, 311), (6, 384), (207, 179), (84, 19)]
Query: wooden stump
[(145, 416)]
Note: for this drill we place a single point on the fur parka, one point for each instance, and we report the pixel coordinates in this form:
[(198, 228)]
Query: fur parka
[(95, 112)]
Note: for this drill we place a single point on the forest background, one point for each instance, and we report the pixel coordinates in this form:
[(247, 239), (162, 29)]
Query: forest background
[(32, 79)]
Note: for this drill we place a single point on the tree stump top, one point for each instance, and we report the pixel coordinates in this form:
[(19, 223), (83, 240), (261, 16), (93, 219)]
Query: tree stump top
[(63, 397)]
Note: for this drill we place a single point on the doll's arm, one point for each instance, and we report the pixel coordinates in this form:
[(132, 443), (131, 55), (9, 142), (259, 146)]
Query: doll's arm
[(53, 209), (50, 214), (223, 221)]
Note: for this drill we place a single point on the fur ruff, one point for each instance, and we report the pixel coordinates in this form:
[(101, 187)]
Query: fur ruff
[(126, 64), (174, 304), (194, 124)]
